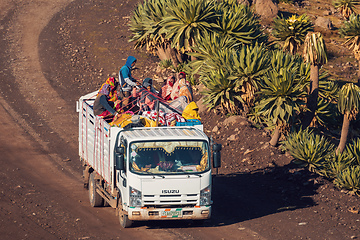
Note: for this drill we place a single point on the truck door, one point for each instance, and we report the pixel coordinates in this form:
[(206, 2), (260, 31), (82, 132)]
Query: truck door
[(121, 175)]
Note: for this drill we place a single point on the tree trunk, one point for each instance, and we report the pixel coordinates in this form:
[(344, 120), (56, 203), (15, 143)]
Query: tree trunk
[(312, 100), (344, 134), (275, 138), (358, 74), (171, 53), (160, 52)]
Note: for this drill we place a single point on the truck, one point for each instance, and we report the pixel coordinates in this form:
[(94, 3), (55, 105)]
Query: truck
[(146, 173)]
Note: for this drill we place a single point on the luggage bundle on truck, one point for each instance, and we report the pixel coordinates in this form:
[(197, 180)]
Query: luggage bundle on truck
[(146, 173)]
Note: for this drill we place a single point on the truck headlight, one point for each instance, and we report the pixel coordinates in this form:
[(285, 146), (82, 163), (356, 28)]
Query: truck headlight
[(205, 196), (135, 197)]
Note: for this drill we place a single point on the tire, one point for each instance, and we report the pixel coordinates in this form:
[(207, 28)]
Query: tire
[(124, 220), (95, 199)]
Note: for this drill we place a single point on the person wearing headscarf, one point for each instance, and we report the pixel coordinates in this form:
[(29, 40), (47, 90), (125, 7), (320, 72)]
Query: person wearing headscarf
[(185, 90), (175, 93), (106, 99), (165, 91), (146, 95), (127, 82)]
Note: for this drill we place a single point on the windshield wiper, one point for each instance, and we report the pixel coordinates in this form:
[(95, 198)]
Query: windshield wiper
[(196, 174), (160, 176)]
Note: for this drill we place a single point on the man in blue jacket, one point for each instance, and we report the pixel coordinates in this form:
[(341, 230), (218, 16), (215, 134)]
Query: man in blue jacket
[(127, 82)]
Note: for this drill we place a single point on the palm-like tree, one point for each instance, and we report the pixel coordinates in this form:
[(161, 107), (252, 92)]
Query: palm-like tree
[(237, 21), (249, 65), (315, 54), (292, 63), (187, 20), (292, 31), (221, 91), (326, 114), (281, 100), (210, 52), (348, 104), (308, 149), (146, 28), (351, 32), (244, 67), (346, 7)]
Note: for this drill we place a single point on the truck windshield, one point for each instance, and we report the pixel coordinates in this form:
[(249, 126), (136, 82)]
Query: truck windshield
[(175, 157)]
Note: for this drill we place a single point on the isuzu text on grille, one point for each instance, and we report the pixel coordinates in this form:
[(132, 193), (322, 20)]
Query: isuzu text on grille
[(170, 191)]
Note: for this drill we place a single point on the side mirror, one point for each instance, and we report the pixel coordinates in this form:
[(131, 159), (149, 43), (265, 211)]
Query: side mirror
[(120, 150), (120, 163), (216, 155)]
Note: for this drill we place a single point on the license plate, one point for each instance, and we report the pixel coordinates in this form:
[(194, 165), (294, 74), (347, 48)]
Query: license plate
[(171, 213)]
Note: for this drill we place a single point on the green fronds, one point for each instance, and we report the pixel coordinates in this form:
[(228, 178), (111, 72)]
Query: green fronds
[(292, 31), (187, 20), (315, 49), (145, 24), (165, 64), (351, 32), (221, 92), (308, 149), (349, 179), (353, 150), (349, 100), (351, 28), (327, 88), (326, 113), (249, 65), (334, 164), (282, 98), (238, 22), (281, 59), (210, 49), (243, 68), (346, 7)]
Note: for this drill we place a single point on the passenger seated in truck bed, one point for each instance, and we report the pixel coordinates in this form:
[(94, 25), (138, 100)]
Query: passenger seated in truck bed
[(146, 95), (106, 101)]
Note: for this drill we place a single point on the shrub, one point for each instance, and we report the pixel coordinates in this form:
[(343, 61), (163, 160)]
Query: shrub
[(335, 164), (349, 179), (165, 64), (353, 150), (308, 149)]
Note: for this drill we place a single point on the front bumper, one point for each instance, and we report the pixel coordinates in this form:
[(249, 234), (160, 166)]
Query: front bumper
[(148, 213)]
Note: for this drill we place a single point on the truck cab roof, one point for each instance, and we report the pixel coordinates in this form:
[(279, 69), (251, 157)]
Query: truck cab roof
[(165, 133)]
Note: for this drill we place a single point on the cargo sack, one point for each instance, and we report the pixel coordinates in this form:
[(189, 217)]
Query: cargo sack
[(123, 120), (191, 111)]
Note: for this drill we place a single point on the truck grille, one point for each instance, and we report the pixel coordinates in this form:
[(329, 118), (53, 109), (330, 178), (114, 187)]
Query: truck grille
[(176, 200)]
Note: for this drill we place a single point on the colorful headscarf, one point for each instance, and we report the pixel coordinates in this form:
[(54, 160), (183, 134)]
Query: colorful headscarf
[(182, 73), (110, 94), (167, 88)]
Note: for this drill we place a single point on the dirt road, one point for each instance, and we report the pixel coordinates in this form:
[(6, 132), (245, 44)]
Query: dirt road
[(41, 186)]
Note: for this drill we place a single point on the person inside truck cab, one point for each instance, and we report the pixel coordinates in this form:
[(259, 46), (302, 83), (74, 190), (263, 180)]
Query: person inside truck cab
[(106, 101), (127, 82)]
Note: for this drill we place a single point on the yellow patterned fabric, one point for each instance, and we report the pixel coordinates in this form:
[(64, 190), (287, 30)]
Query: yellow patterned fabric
[(122, 121), (203, 163), (191, 111)]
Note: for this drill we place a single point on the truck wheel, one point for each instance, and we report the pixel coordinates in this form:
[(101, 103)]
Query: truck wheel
[(125, 222), (95, 199)]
